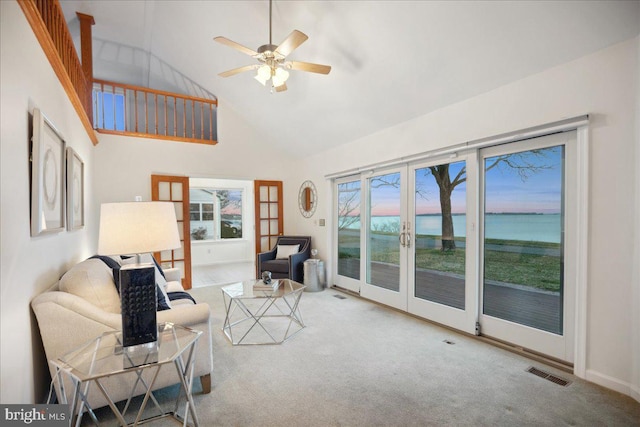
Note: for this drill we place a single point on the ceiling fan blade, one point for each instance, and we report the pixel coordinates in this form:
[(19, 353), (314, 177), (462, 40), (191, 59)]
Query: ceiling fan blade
[(225, 41), (239, 70), (293, 40), (281, 88), (308, 66)]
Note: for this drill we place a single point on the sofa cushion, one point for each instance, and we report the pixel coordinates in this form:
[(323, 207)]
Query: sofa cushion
[(284, 251), (92, 280), (276, 265)]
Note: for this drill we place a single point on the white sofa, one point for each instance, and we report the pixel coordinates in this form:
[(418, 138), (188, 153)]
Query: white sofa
[(85, 303)]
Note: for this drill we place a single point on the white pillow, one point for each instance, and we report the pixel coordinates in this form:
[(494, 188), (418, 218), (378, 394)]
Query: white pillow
[(92, 280), (284, 251)]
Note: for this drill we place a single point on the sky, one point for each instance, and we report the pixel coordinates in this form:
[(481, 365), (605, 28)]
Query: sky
[(505, 190)]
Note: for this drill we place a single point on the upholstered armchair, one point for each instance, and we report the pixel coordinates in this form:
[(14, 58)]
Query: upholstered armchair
[(286, 259)]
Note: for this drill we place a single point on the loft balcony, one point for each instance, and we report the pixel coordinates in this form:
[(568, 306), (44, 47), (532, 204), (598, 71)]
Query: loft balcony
[(137, 111), (110, 107)]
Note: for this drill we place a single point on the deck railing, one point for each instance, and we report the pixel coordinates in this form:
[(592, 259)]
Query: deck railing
[(48, 23), (138, 111)]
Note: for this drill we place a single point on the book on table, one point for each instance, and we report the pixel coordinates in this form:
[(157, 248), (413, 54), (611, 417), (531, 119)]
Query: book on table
[(261, 286)]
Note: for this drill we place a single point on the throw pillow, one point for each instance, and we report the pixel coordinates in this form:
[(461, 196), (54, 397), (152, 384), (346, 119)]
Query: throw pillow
[(283, 251), (92, 280)]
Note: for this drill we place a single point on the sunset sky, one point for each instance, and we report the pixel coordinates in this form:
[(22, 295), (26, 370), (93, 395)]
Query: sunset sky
[(506, 191)]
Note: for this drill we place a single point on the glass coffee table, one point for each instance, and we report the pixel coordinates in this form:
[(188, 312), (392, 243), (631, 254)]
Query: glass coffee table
[(105, 357), (259, 316)]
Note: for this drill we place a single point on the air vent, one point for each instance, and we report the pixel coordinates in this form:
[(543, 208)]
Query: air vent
[(548, 376), (448, 342), (340, 296)]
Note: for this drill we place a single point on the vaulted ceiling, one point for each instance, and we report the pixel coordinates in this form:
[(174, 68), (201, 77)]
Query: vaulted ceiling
[(391, 60)]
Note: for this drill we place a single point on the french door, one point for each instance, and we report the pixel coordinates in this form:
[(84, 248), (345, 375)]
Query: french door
[(175, 189), (268, 212), (386, 238), (527, 241), (348, 232), (441, 262), (479, 241)]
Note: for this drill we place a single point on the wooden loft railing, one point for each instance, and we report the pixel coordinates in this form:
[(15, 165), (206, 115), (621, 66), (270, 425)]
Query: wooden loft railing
[(112, 107), (49, 26), (142, 112)]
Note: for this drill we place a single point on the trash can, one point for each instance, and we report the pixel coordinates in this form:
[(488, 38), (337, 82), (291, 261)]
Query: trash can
[(312, 275)]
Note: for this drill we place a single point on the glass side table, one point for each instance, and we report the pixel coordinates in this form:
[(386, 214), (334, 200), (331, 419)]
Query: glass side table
[(105, 357), (258, 316)]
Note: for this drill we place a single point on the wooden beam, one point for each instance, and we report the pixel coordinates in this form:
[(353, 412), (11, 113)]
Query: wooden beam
[(86, 44)]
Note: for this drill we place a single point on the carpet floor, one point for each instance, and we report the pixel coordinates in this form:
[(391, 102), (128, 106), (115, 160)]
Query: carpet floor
[(358, 363)]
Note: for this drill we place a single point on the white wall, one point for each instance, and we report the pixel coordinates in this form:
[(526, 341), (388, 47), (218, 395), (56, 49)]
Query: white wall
[(124, 165), (30, 264), (636, 278), (604, 86)]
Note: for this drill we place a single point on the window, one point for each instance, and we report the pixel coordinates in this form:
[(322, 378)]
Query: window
[(215, 214), (108, 111)]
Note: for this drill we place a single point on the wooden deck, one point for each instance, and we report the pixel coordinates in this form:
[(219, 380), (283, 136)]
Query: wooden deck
[(541, 310)]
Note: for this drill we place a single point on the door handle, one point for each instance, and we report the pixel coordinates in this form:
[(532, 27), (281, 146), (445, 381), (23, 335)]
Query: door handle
[(403, 236)]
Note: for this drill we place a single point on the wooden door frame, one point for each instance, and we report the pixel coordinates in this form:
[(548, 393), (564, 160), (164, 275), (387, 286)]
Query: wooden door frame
[(186, 223), (256, 186)]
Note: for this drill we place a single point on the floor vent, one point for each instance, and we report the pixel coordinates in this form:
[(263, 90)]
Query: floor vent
[(448, 342), (547, 376), (340, 296)]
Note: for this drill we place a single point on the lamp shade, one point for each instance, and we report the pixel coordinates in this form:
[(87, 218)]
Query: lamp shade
[(137, 227)]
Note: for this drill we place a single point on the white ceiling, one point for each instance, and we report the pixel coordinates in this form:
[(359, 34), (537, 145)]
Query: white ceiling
[(391, 60)]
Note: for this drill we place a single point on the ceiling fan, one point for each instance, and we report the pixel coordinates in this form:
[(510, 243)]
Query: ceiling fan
[(272, 64)]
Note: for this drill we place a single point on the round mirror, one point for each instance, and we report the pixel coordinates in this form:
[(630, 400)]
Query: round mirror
[(307, 199)]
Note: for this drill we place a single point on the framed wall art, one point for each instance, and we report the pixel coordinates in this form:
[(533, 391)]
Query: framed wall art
[(48, 207), (75, 190)]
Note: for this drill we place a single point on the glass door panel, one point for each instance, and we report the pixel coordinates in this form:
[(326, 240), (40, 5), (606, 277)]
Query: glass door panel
[(383, 233), (527, 289), (523, 228), (349, 229), (386, 239), (440, 234)]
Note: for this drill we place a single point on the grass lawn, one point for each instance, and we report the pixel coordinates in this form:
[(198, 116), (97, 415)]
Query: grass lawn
[(538, 271)]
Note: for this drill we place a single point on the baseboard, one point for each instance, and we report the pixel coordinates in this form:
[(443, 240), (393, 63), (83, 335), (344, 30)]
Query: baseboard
[(613, 384)]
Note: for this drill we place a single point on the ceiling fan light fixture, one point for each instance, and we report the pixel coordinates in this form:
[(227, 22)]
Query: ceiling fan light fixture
[(276, 81), (282, 74), (264, 72), (261, 79)]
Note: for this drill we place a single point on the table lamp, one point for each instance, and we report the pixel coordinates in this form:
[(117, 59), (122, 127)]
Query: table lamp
[(133, 229)]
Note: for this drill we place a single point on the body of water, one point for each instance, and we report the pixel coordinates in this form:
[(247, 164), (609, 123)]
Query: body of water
[(527, 227)]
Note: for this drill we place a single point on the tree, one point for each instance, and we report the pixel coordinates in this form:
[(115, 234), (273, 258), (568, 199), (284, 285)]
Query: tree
[(348, 204), (523, 163), (446, 186)]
